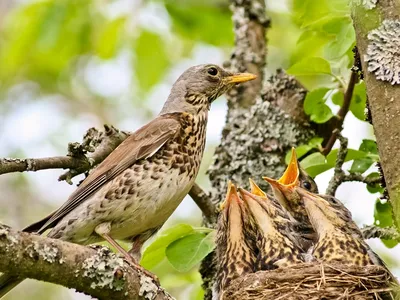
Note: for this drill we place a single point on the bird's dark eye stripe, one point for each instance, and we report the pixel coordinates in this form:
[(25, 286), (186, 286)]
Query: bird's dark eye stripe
[(212, 71)]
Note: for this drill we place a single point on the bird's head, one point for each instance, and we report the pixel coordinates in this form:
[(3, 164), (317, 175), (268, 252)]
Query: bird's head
[(326, 213), (284, 188), (199, 86), (265, 211)]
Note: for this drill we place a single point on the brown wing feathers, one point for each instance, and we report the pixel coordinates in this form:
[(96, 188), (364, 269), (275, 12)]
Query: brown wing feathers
[(143, 143)]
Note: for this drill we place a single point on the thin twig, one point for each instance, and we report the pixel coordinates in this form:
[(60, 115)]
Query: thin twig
[(340, 176), (344, 109), (388, 233), (203, 201), (96, 146), (337, 178)]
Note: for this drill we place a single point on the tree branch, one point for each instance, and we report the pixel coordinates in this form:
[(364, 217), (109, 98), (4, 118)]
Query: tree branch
[(378, 43), (203, 201), (388, 233), (94, 271), (96, 146), (339, 174), (344, 109)]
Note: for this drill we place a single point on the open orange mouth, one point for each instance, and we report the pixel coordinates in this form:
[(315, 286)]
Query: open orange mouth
[(291, 175)]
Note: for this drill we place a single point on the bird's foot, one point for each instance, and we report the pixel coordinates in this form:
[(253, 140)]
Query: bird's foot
[(135, 265)]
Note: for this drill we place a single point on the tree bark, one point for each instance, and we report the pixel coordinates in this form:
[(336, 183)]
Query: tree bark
[(377, 26), (94, 271)]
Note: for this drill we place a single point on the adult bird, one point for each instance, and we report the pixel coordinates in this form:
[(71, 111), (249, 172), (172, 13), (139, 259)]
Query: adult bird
[(136, 188), (277, 241), (235, 242)]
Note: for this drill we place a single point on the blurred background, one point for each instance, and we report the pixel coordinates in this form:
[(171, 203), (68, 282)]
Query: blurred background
[(68, 65)]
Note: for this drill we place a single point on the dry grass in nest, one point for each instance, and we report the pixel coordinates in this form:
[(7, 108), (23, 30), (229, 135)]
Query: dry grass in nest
[(315, 281)]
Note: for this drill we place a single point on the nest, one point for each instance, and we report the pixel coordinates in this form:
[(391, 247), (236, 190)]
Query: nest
[(315, 281)]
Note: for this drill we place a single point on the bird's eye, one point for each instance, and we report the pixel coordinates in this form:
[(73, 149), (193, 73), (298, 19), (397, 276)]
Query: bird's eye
[(307, 185), (212, 71)]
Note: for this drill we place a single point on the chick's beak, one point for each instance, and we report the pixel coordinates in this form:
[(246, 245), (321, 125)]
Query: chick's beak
[(254, 188), (239, 77), (231, 195), (292, 172), (290, 178)]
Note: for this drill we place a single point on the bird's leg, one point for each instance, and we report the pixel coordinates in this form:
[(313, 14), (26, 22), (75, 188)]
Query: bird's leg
[(103, 230), (137, 244)]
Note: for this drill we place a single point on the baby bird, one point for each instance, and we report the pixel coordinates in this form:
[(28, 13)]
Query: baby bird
[(234, 243), (277, 241), (284, 188), (338, 237)]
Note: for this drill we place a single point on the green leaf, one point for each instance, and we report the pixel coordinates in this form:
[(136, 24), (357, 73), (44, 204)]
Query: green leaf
[(193, 20), (344, 39), (363, 164), (383, 215), (300, 151), (155, 252), (315, 107), (152, 59), (310, 66), (107, 43), (338, 98), (314, 143), (316, 163), (186, 252), (375, 188), (358, 101)]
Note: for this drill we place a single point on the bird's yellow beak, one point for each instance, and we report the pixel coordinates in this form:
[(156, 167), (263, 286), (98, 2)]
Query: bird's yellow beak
[(290, 177), (254, 188), (240, 77)]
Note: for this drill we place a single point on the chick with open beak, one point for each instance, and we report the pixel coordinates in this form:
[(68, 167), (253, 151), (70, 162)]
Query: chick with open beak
[(234, 243), (338, 237), (284, 189), (277, 241)]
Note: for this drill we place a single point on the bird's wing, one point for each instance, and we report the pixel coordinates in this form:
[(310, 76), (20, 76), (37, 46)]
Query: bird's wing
[(142, 144)]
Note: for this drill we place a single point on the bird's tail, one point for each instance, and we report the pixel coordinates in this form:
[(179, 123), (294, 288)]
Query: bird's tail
[(7, 283)]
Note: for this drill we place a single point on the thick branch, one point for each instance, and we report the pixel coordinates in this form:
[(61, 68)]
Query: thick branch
[(378, 43), (96, 272)]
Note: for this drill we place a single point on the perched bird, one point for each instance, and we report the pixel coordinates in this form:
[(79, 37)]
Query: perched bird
[(338, 237), (284, 188), (136, 188), (277, 241), (235, 242)]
